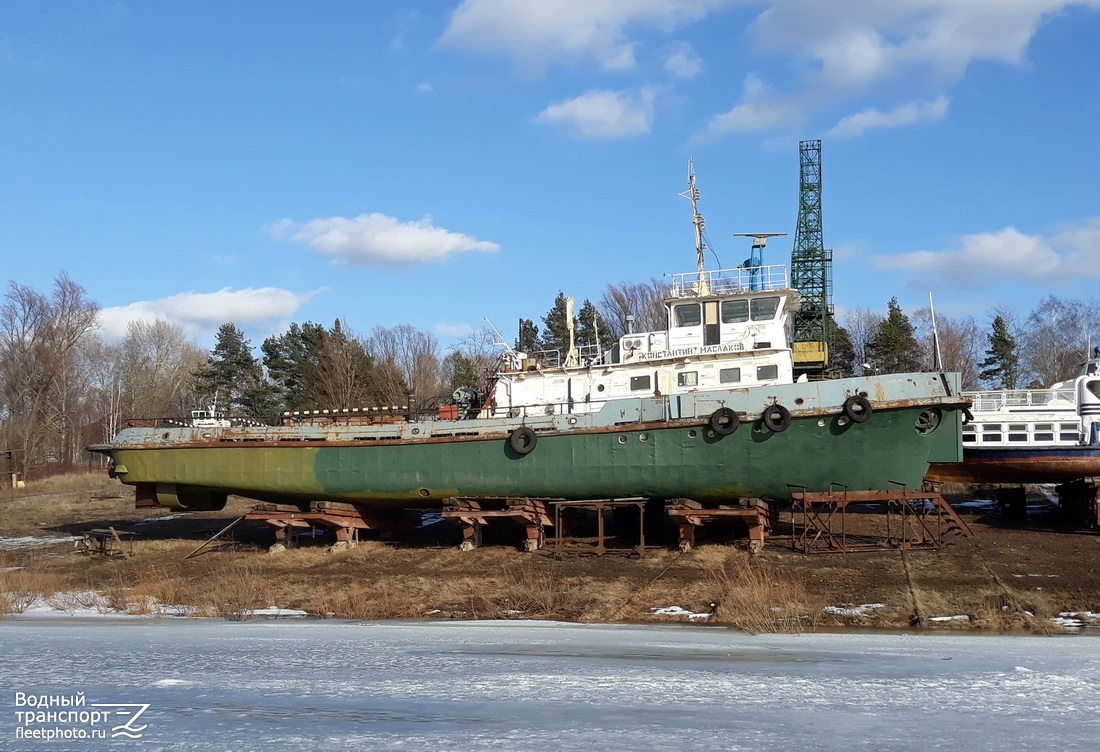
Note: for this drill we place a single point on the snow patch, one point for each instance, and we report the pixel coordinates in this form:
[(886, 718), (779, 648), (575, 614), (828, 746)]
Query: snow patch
[(274, 611), (678, 611), (30, 542), (957, 617), (849, 609)]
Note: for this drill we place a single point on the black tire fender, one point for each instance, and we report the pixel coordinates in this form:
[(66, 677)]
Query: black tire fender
[(724, 421), (857, 408), (777, 418), (523, 440)]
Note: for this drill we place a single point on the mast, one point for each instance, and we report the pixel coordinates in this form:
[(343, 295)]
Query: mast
[(692, 194)]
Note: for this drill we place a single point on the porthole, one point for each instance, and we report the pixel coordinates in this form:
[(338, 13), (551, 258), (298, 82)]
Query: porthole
[(692, 433), (622, 439), (600, 388), (643, 437), (821, 423), (928, 421), (425, 492)]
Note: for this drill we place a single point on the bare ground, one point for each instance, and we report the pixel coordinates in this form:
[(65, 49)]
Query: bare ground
[(1014, 576)]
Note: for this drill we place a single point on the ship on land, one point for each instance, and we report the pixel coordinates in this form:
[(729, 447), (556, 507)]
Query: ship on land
[(1043, 436), (707, 409)]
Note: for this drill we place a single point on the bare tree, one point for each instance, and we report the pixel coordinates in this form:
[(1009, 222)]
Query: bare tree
[(862, 324), (1056, 339), (343, 375), (961, 345), (642, 300), (406, 358), (156, 364), (39, 340)]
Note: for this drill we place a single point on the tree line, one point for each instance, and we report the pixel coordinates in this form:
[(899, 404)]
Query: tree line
[(64, 386)]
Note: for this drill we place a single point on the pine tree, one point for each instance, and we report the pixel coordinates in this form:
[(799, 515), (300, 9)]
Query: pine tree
[(463, 372), (555, 332), (842, 356), (528, 340), (234, 380), (1002, 363), (894, 348), (290, 358), (591, 329)]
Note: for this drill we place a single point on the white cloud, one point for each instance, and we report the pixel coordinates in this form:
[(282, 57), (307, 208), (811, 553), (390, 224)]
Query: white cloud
[(424, 87), (906, 114), (452, 331), (603, 114), (985, 258), (538, 33), (852, 50), (200, 313), (682, 61), (760, 109), (378, 240)]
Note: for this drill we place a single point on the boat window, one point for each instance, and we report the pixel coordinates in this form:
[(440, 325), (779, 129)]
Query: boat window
[(729, 375), (638, 383), (1068, 432), (687, 314), (1044, 432), (687, 378), (969, 434), (991, 432), (735, 311), (767, 373), (763, 309), (1017, 432)]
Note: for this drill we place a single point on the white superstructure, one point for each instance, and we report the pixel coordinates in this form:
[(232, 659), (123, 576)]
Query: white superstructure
[(1067, 414)]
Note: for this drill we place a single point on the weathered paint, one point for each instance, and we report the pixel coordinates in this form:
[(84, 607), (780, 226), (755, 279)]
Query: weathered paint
[(665, 459)]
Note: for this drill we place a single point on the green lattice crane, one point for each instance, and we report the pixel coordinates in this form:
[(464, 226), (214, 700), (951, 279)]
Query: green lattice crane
[(811, 269)]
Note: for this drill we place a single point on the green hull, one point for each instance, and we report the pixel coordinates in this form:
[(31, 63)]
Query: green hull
[(665, 460)]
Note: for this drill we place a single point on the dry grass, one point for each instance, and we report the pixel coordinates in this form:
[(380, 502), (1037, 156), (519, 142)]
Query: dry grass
[(22, 588), (755, 596)]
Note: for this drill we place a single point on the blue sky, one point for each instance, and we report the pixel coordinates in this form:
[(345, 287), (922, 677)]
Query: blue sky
[(436, 162)]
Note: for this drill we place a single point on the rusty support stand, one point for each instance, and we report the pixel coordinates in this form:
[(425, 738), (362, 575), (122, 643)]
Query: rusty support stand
[(1080, 502), (344, 521), (914, 519), (472, 514), (689, 515), (599, 545)]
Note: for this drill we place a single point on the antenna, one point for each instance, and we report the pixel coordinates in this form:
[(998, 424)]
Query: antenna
[(937, 357), (692, 194)]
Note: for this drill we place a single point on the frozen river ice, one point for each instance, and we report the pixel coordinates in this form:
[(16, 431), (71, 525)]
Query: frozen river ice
[(324, 685)]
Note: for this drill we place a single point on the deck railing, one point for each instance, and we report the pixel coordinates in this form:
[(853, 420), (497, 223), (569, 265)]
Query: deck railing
[(725, 281), (996, 401)]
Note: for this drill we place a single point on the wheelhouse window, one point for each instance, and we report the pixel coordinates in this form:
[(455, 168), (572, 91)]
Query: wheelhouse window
[(767, 373), (735, 311), (729, 376), (687, 314), (687, 378), (639, 383), (763, 309)]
